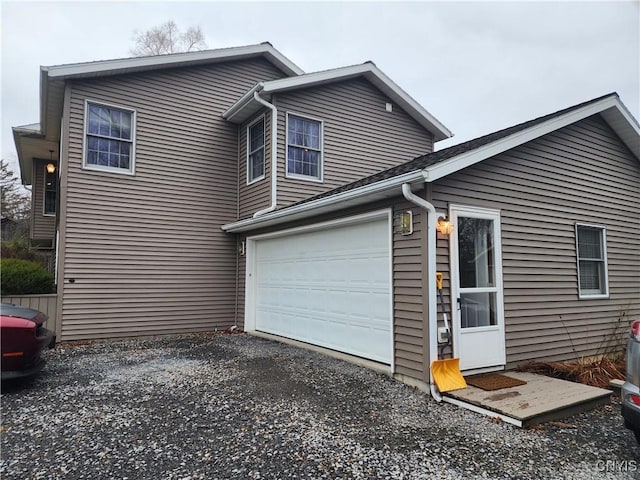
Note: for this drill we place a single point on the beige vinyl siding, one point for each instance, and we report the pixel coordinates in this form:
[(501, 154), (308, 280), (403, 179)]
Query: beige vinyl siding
[(360, 137), (579, 174), (43, 227), (45, 303), (410, 303), (145, 252), (256, 196)]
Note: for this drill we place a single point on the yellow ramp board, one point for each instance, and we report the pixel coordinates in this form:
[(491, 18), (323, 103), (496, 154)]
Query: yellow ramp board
[(446, 374)]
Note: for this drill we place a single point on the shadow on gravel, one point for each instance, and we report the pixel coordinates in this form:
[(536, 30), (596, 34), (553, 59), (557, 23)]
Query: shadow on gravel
[(18, 385)]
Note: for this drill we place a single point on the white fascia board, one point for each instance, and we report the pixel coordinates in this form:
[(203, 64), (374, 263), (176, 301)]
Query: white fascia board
[(315, 78), (378, 78), (472, 157), (108, 67), (241, 104), (441, 132), (24, 162), (59, 73), (326, 204), (30, 129), (625, 125)]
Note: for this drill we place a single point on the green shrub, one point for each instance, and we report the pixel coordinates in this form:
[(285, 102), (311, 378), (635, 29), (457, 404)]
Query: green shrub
[(22, 277)]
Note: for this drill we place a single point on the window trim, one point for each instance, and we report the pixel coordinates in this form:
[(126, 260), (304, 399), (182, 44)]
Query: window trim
[(44, 191), (264, 149), (603, 238), (297, 176), (101, 168)]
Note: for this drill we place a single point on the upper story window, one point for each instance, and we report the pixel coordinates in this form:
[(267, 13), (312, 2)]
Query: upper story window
[(255, 151), (50, 190), (592, 261), (109, 138), (304, 147)]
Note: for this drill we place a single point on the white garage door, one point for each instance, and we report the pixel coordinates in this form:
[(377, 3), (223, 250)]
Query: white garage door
[(329, 287)]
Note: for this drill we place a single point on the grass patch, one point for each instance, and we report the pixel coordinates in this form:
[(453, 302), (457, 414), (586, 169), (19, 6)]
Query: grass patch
[(597, 373)]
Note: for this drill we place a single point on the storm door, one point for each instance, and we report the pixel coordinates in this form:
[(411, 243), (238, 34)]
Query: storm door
[(476, 266)]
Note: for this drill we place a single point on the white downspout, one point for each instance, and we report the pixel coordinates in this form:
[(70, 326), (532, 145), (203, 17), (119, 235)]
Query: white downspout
[(431, 280), (274, 155)]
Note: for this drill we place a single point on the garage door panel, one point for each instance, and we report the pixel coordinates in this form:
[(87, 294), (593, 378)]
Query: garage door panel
[(329, 287)]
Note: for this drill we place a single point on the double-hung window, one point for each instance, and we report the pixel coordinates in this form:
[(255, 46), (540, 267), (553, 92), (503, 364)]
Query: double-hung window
[(109, 138), (592, 261), (255, 151), (304, 147), (50, 191)]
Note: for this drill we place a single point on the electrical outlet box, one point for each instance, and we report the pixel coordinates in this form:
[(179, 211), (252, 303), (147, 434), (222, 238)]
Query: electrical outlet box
[(442, 335)]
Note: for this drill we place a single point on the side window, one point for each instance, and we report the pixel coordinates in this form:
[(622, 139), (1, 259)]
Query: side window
[(304, 147), (109, 138), (255, 151), (50, 189), (592, 261)]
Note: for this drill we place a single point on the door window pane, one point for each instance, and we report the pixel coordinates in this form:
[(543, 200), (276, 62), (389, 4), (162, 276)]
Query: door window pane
[(478, 310), (476, 252)]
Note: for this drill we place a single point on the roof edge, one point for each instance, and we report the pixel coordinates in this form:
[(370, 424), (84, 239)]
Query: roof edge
[(60, 73), (368, 70), (610, 103), (331, 203), (112, 67), (18, 133)]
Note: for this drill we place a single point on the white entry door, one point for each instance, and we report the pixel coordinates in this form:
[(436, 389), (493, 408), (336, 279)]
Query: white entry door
[(476, 282)]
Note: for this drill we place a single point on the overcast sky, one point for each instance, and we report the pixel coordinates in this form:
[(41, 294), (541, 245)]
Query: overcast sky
[(476, 66)]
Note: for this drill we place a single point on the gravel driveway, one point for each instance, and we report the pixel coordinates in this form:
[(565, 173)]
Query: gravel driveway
[(235, 406)]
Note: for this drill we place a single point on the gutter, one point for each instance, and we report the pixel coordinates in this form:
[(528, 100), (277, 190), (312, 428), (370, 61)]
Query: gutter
[(431, 280), (337, 201), (274, 155)]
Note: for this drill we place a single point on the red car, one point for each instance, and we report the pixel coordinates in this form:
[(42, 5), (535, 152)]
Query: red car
[(23, 339)]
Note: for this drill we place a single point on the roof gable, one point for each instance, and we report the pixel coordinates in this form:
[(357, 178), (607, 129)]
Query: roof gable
[(430, 167), (37, 139), (53, 78), (247, 105)]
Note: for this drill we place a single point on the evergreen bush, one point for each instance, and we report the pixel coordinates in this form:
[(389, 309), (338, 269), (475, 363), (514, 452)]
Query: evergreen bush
[(23, 277)]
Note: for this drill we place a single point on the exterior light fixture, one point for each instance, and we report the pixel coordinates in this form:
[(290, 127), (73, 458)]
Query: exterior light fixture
[(51, 167), (403, 223), (445, 227)]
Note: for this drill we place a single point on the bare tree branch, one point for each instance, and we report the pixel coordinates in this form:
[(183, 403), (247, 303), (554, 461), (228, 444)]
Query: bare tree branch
[(167, 38)]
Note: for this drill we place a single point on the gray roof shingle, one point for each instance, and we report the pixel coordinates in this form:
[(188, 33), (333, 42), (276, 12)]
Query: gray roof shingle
[(430, 159)]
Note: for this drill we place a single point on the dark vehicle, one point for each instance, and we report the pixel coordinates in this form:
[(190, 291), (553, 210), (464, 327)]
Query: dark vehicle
[(631, 388), (23, 338)]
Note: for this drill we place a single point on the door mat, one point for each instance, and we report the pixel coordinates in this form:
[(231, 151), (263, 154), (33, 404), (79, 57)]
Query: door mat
[(493, 381)]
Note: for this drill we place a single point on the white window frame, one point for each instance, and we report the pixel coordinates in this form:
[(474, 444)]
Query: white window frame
[(297, 176), (264, 149), (44, 192), (102, 168), (592, 294)]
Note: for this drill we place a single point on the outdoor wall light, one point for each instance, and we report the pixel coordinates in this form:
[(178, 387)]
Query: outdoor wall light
[(51, 166), (445, 227), (403, 223)]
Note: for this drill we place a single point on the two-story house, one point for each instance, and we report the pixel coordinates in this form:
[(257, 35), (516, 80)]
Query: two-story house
[(227, 187)]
